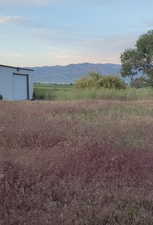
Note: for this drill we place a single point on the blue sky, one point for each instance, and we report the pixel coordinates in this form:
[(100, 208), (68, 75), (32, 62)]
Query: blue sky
[(60, 32)]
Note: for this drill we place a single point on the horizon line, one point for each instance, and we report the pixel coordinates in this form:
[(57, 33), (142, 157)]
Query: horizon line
[(73, 64)]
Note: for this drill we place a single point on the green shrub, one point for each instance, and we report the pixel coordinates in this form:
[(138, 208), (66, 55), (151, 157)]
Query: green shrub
[(1, 97), (97, 80), (111, 82), (89, 81)]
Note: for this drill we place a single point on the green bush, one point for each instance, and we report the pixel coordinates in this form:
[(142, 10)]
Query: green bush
[(1, 97), (111, 82), (98, 81), (88, 81)]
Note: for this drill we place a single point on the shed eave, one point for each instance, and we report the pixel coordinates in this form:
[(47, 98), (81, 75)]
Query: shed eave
[(17, 68)]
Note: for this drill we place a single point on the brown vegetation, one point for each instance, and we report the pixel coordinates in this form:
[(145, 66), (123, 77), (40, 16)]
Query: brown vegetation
[(76, 163)]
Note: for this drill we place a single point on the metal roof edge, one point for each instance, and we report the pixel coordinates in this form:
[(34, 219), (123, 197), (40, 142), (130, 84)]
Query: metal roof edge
[(17, 68)]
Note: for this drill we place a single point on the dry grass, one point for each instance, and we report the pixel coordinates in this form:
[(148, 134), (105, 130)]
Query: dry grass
[(76, 163)]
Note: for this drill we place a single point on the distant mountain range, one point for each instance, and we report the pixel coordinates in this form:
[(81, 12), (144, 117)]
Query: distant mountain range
[(73, 72)]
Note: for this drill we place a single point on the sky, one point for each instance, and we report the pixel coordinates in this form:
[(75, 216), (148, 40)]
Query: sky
[(61, 32)]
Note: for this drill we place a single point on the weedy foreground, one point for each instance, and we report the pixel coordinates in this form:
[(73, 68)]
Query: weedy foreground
[(79, 162)]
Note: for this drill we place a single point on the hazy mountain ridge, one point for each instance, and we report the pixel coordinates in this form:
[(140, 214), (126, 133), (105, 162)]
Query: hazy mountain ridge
[(72, 72)]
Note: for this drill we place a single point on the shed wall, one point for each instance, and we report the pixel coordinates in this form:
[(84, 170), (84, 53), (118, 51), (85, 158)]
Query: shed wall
[(6, 82)]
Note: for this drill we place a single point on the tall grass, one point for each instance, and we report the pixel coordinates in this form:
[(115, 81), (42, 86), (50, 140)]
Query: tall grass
[(71, 93)]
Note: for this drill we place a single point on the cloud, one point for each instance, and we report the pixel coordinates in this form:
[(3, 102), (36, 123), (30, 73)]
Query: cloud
[(26, 2), (21, 21), (67, 46), (102, 50), (12, 19), (65, 57), (46, 2)]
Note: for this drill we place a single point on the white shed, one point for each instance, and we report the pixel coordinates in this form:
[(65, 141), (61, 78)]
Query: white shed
[(15, 83)]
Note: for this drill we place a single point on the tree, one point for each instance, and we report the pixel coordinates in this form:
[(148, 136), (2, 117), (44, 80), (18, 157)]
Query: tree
[(129, 60), (139, 83), (139, 59)]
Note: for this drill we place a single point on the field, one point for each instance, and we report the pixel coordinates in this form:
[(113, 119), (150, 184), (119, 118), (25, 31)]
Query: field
[(87, 162), (69, 92)]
